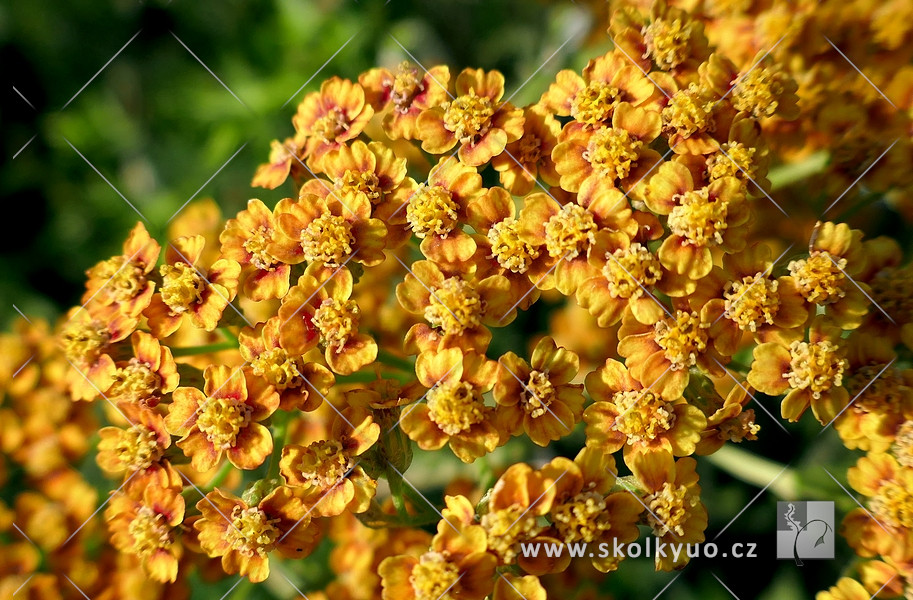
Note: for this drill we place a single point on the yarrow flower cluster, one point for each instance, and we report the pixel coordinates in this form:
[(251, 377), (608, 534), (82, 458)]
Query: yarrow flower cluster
[(264, 383)]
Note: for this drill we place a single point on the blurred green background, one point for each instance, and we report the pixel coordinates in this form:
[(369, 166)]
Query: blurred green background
[(158, 127)]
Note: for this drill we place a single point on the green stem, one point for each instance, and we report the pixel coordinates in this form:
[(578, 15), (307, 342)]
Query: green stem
[(280, 432), (219, 478), (229, 334), (788, 174), (486, 473), (396, 492), (757, 470), (391, 360), (204, 349)]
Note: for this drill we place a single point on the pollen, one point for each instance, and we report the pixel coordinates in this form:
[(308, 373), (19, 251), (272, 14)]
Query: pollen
[(903, 445), (682, 340), (644, 416), (667, 42), (455, 407), (570, 232), (506, 528), (817, 366), (595, 103), (222, 419), (336, 321), (698, 218), (892, 290), (454, 307), (252, 531), (407, 83), (256, 246), (125, 278), (278, 368), (538, 393), (877, 388), (820, 277), (431, 209), (364, 182), (735, 160), (752, 302), (324, 464), (82, 342), (468, 116), (137, 448), (511, 252), (759, 92), (149, 532), (669, 509), (612, 152), (433, 577), (331, 125), (327, 239), (582, 518), (181, 287), (631, 269), (893, 504), (135, 381), (688, 111), (529, 150)]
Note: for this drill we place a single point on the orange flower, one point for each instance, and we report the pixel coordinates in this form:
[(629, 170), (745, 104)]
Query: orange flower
[(224, 419), (407, 93), (246, 239), (138, 447), (244, 534), (319, 311), (888, 528), (765, 90), (454, 412), (328, 469), (538, 397), (744, 156), (122, 281), (283, 161), (727, 420), (191, 290), (669, 37), (287, 372), (476, 119), (87, 336), (699, 218), (148, 376), (627, 415), (691, 117), (811, 372), (329, 118), (846, 589), (530, 156)]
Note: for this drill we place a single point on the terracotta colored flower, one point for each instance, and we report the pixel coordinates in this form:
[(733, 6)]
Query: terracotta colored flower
[(744, 156), (692, 117), (327, 470), (137, 447), (224, 419), (147, 377), (319, 311), (283, 161), (456, 566), (476, 119), (246, 239), (891, 284), (510, 587), (454, 412), (329, 118), (122, 281), (668, 37), (530, 156), (291, 374), (328, 231), (809, 372), (191, 291), (727, 419), (243, 535), (538, 397), (406, 92), (673, 497), (701, 219), (765, 90), (87, 338), (616, 156), (625, 415)]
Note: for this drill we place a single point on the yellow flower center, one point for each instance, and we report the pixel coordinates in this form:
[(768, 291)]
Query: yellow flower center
[(251, 531), (511, 252), (668, 43), (327, 239), (324, 463), (594, 104), (529, 150), (455, 407), (82, 342), (683, 339), (612, 152), (884, 394), (331, 125), (893, 505), (643, 416), (336, 321), (583, 518), (134, 382), (903, 445), (431, 209), (278, 368), (538, 394), (759, 92), (630, 268), (137, 448), (181, 287), (892, 290), (468, 116), (363, 182), (256, 245), (570, 232), (698, 218), (433, 577), (222, 419), (149, 532), (407, 83), (506, 528), (817, 366), (454, 307), (671, 504), (740, 428), (820, 277), (752, 302), (738, 161), (124, 278), (688, 112)]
